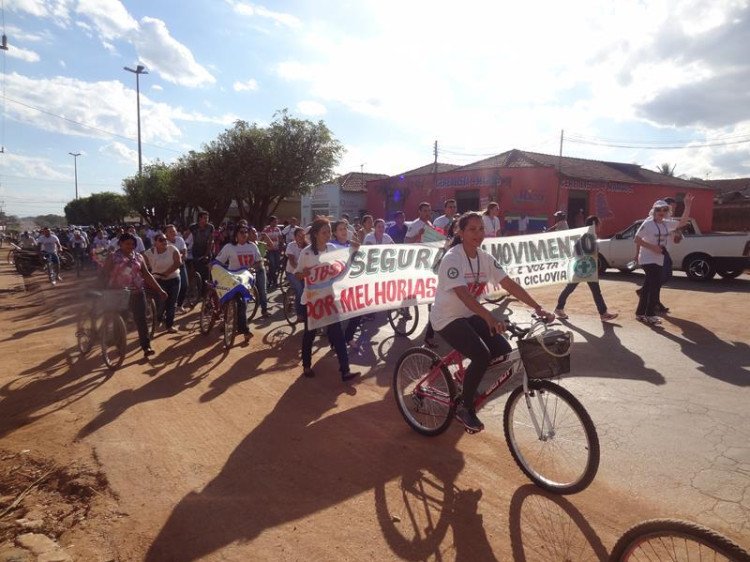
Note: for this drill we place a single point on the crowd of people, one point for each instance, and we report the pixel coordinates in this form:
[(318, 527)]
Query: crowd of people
[(159, 259)]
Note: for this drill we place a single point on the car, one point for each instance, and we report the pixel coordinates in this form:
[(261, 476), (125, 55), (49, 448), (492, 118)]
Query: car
[(700, 256)]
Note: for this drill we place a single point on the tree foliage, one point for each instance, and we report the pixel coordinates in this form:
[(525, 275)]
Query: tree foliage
[(666, 169), (106, 208), (257, 167)]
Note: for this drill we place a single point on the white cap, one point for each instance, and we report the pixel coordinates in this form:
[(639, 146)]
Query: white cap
[(660, 203)]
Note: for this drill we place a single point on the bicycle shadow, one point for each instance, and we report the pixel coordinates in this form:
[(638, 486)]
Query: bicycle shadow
[(609, 357), (544, 526), (327, 458), (723, 360)]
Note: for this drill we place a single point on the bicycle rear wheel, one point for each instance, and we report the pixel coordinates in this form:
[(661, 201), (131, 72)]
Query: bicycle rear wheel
[(675, 540), (424, 391), (113, 341), (193, 294), (404, 320), (252, 306), (230, 323), (152, 318), (208, 313), (551, 437), (290, 306)]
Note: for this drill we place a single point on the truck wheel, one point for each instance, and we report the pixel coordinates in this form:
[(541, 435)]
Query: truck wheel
[(699, 267), (729, 273)]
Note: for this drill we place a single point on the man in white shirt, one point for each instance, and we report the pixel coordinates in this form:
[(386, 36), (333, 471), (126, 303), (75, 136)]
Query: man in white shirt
[(523, 224), (288, 230), (50, 244), (139, 247), (417, 227), (449, 215)]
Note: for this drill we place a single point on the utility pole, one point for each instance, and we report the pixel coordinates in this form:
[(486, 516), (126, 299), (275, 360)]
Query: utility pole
[(75, 156), (559, 170), (138, 70), (435, 166)]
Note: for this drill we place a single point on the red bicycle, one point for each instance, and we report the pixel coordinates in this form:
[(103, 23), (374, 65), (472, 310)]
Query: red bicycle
[(549, 433)]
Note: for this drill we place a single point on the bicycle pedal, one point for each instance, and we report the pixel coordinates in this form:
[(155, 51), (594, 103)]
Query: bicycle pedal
[(471, 431)]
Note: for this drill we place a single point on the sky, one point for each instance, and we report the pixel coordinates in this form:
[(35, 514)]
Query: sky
[(628, 81)]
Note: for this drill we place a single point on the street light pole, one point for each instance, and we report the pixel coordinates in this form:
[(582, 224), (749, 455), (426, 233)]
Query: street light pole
[(75, 156), (138, 70)]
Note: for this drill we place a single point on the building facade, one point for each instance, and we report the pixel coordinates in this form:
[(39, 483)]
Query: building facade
[(536, 185)]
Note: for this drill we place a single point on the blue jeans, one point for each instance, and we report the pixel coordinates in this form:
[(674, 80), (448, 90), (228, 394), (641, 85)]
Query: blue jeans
[(53, 257), (242, 316), (297, 286), (183, 285), (274, 258), (335, 337), (260, 282)]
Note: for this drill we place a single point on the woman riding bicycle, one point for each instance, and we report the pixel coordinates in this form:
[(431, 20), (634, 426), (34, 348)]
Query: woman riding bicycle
[(461, 320)]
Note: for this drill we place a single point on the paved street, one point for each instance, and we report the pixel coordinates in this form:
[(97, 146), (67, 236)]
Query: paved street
[(231, 455)]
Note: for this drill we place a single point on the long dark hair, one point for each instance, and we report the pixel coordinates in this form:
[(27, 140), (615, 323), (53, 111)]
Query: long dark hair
[(461, 223), (241, 224), (317, 225)]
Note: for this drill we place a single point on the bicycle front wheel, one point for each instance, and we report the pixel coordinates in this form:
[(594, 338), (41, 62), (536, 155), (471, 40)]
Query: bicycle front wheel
[(230, 323), (551, 437), (152, 318), (85, 332), (404, 320), (208, 313), (193, 293), (252, 306), (290, 306), (113, 340), (424, 391), (675, 540)]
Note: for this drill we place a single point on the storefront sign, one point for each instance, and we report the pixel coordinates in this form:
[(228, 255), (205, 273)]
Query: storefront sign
[(350, 283), (469, 181), (585, 185)]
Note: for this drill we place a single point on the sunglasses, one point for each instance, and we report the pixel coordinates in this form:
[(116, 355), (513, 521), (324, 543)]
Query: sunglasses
[(662, 209)]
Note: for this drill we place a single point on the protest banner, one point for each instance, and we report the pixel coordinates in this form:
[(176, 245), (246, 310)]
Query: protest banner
[(349, 283)]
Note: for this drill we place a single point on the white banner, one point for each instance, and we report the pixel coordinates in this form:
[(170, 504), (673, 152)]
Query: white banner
[(349, 283)]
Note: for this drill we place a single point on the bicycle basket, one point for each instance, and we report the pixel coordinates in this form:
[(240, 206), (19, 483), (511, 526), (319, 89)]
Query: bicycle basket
[(114, 300), (547, 355)]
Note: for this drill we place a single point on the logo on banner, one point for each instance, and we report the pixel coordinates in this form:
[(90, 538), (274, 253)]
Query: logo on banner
[(585, 267), (452, 273), (324, 275)]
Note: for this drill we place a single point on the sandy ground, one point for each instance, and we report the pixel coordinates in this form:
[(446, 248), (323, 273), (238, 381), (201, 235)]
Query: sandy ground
[(216, 455)]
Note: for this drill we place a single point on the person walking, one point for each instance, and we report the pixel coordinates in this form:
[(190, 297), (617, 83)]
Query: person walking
[(450, 212), (397, 231), (273, 238), (596, 291), (378, 235), (164, 262), (651, 249), (416, 229), (320, 236), (561, 222), (491, 220), (260, 272), (203, 237)]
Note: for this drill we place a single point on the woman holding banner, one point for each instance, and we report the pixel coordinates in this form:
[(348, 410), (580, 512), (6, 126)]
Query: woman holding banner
[(596, 291), (309, 258), (461, 320)]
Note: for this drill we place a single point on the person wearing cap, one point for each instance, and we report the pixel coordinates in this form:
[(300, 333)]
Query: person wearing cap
[(651, 247), (560, 222)]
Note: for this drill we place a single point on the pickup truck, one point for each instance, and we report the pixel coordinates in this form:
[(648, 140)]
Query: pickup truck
[(700, 256)]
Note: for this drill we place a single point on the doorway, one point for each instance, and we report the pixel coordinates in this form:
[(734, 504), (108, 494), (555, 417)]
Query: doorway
[(467, 200), (578, 208)]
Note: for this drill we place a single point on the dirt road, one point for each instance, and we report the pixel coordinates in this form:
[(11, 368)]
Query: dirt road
[(221, 455)]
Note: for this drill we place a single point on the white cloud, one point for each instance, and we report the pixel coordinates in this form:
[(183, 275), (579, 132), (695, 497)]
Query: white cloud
[(313, 108), (173, 60), (22, 54), (157, 88), (120, 152), (250, 85), (56, 10), (32, 167), (110, 18), (255, 10), (19, 34), (62, 63)]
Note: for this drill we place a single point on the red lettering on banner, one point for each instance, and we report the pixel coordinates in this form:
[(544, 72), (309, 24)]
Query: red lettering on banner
[(380, 292), (330, 305), (360, 290), (401, 296), (419, 289), (368, 300), (431, 287), (391, 291), (347, 300)]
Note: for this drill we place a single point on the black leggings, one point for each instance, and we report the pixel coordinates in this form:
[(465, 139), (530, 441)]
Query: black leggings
[(651, 290), (472, 338)]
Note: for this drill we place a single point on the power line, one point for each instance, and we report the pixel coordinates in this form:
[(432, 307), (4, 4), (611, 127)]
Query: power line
[(84, 125), (738, 136), (646, 147)]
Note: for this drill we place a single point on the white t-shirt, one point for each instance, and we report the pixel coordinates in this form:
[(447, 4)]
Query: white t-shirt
[(48, 243), (179, 243), (288, 233), (655, 233), (371, 240), (523, 224), (455, 271), (79, 240), (414, 229), (309, 259), (100, 243), (240, 256), (442, 222), (159, 263), (491, 226), (189, 246), (292, 249)]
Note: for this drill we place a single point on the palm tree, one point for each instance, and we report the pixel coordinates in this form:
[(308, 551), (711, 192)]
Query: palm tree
[(665, 169)]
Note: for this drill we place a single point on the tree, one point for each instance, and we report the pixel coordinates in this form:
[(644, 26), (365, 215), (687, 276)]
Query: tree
[(106, 208), (262, 166), (197, 179), (152, 194), (666, 169)]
